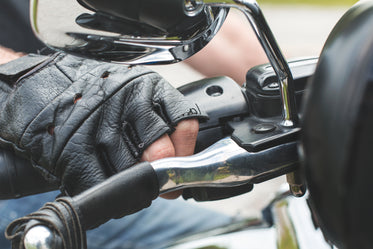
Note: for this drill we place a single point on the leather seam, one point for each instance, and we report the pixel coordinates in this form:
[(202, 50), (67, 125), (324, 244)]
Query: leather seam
[(41, 111), (92, 111)]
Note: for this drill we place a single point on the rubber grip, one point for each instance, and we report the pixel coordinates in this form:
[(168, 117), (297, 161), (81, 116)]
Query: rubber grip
[(18, 177), (122, 194)]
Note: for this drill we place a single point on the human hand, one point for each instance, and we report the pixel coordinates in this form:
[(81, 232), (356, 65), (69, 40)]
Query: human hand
[(81, 121), (180, 143)]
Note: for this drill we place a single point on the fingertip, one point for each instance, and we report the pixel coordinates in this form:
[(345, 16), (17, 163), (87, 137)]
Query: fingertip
[(161, 148), (185, 137)]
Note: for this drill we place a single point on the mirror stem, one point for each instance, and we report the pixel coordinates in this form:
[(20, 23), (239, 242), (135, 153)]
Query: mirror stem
[(267, 40), (277, 60)]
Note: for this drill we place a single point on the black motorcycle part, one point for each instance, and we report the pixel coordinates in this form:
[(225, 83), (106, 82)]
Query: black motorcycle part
[(60, 218), (214, 194), (263, 91), (68, 218), (337, 132), (122, 194), (255, 134), (227, 106), (223, 100), (18, 178)]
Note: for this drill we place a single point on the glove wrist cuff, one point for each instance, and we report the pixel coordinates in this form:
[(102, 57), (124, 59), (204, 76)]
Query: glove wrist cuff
[(11, 71)]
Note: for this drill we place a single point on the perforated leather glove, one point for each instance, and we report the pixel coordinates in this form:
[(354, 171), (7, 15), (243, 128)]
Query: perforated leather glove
[(80, 121)]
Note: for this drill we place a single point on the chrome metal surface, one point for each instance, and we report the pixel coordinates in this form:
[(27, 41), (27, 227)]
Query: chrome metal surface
[(225, 164), (249, 238), (39, 237), (297, 183), (266, 38), (77, 30), (193, 7), (287, 224), (308, 234)]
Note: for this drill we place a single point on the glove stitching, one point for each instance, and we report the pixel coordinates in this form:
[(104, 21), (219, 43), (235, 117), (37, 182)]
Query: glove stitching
[(92, 111), (132, 140), (11, 71), (64, 73), (159, 109), (108, 168), (41, 111), (19, 82), (192, 112), (52, 101), (35, 70), (38, 68)]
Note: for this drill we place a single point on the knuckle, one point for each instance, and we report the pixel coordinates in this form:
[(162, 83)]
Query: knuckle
[(164, 151), (189, 128)]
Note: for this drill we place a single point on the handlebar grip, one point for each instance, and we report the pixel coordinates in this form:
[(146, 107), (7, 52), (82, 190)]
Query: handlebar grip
[(68, 218), (122, 194), (19, 178)]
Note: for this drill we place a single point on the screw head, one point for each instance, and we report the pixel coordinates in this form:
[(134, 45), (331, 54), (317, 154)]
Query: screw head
[(264, 128), (193, 7)]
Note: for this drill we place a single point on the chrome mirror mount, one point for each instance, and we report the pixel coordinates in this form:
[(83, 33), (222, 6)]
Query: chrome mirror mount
[(78, 30), (266, 38)]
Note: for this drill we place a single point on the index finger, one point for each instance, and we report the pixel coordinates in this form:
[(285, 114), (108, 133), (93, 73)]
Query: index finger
[(185, 136)]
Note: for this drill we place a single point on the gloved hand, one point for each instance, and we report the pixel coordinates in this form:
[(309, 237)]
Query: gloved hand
[(80, 121)]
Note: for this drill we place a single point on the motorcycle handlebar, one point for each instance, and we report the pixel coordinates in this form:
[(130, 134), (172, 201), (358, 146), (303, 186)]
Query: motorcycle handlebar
[(18, 178), (134, 189)]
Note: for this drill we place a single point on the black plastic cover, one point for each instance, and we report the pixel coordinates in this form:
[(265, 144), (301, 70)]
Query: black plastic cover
[(262, 87), (223, 100)]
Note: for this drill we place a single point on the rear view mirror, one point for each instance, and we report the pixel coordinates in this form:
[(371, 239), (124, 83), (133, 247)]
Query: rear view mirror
[(164, 31), (153, 32)]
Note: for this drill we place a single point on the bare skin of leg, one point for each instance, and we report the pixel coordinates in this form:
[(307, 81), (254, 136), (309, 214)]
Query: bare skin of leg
[(232, 52)]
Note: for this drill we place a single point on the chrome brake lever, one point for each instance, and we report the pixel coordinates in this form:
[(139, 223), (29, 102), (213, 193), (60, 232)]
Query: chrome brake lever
[(225, 164)]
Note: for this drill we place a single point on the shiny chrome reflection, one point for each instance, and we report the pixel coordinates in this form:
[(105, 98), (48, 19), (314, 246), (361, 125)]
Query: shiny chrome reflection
[(266, 38), (193, 7), (110, 36), (70, 27), (39, 237), (225, 164), (287, 223)]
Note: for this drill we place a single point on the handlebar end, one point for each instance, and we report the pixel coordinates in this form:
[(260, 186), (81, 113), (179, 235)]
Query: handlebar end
[(39, 237)]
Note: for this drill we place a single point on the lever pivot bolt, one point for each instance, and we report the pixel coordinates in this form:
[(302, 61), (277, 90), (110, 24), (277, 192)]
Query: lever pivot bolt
[(193, 7), (264, 128)]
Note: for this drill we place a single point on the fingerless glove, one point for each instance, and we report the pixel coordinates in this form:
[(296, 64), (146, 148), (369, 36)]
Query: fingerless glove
[(80, 121)]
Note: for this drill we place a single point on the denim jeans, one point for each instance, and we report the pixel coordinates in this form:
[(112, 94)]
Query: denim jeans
[(162, 222)]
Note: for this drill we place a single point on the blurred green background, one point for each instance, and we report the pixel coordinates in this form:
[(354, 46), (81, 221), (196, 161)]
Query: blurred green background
[(310, 2)]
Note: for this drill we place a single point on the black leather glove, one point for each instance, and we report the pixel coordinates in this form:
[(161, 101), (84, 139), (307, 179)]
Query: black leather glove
[(80, 121)]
